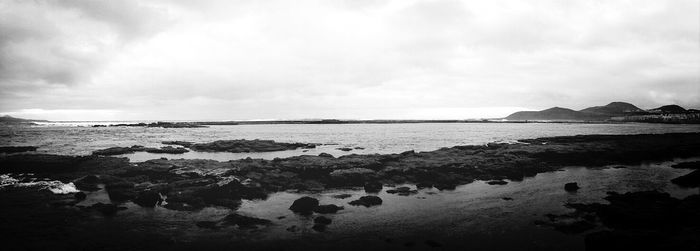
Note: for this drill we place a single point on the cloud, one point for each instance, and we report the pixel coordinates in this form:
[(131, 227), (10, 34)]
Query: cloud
[(363, 59), (66, 42)]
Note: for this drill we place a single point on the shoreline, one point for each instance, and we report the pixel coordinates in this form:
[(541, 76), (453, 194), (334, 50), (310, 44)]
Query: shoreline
[(195, 185)]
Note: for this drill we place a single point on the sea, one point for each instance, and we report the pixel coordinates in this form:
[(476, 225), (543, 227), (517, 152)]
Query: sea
[(80, 138)]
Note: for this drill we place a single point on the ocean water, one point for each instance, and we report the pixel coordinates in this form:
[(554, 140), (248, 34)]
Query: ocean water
[(79, 139)]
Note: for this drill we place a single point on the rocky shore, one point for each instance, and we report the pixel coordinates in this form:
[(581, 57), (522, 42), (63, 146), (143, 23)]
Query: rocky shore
[(189, 185)]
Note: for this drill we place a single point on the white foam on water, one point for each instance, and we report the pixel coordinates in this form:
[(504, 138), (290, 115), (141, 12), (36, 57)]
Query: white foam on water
[(55, 186)]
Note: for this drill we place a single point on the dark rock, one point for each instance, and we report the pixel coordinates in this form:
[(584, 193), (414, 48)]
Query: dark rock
[(106, 209), (304, 205), (242, 145), (325, 155), (689, 180), (167, 149), (87, 183), (424, 185), (177, 143), (433, 244), (497, 182), (148, 199), (688, 165), (571, 187), (115, 150), (208, 224), (243, 221), (367, 201), (293, 229), (327, 209), (17, 149), (342, 196), (373, 187), (344, 149), (80, 196), (352, 176), (403, 191), (507, 198), (120, 190), (322, 220), (619, 167), (319, 227)]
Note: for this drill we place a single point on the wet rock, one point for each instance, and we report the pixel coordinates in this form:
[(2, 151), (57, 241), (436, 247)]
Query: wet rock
[(433, 244), (689, 180), (80, 196), (402, 191), (373, 187), (497, 182), (445, 186), (87, 183), (242, 145), (106, 209), (304, 205), (571, 187), (243, 221), (424, 185), (293, 229), (167, 149), (120, 190), (352, 176), (178, 143), (148, 199), (208, 224), (325, 155), (116, 150), (342, 196), (322, 220), (17, 149), (327, 209), (688, 165), (367, 201)]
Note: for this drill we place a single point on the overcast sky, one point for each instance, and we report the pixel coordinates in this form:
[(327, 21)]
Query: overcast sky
[(352, 59)]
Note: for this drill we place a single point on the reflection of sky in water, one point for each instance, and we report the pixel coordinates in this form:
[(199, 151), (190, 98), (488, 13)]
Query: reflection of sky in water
[(375, 138), (474, 215)]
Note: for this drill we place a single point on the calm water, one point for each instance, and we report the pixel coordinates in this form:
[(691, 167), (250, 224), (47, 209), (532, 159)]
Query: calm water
[(473, 216), (374, 138)]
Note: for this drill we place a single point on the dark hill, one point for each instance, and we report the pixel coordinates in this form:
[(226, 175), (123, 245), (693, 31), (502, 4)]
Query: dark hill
[(615, 109), (555, 113), (669, 109), (10, 119)]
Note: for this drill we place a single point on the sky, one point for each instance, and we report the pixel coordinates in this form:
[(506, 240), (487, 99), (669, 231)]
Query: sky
[(348, 59)]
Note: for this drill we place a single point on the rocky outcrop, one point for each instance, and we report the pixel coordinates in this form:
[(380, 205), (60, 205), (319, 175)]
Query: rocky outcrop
[(304, 205), (647, 220), (137, 148), (17, 149), (571, 187), (367, 201), (242, 145), (689, 180)]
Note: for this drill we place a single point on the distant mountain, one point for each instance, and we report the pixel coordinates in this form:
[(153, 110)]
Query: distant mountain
[(614, 109), (555, 113), (10, 119), (620, 111), (672, 109)]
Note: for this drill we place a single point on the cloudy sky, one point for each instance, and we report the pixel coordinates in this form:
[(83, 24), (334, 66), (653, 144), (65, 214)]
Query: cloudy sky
[(352, 59)]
